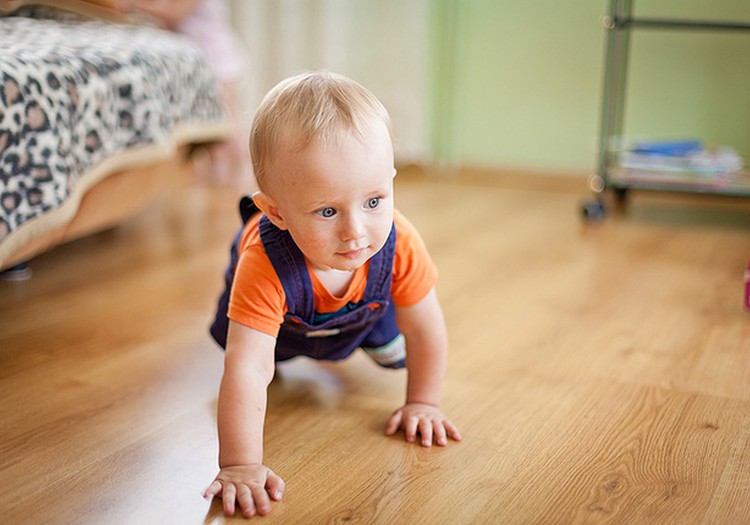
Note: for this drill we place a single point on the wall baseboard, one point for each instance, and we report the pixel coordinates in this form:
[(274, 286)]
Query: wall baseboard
[(542, 180)]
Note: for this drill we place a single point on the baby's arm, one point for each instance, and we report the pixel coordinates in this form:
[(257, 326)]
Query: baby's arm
[(248, 369), (426, 353)]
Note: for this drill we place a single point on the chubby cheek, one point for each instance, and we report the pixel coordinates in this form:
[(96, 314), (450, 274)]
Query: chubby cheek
[(383, 227), (379, 232), (313, 240)]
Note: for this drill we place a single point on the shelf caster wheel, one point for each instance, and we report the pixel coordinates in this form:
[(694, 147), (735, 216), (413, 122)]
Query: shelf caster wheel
[(621, 198), (594, 210)]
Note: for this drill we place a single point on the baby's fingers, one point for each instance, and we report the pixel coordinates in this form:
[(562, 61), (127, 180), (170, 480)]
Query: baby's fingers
[(411, 426), (213, 489), (246, 501), (425, 429), (453, 432), (394, 423), (228, 497), (262, 502), (275, 486), (439, 431)]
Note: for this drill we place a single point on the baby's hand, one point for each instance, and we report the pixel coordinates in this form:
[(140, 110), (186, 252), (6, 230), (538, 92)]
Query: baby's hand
[(428, 420), (248, 485)]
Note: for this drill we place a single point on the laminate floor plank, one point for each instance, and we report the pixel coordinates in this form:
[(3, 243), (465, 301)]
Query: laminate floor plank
[(600, 373)]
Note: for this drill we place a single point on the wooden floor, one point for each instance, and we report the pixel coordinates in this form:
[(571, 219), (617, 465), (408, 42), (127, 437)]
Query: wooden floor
[(599, 373)]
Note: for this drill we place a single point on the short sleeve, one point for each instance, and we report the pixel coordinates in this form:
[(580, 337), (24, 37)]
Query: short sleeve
[(414, 272), (257, 299)]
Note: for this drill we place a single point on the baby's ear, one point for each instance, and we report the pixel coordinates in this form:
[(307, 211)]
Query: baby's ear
[(270, 209)]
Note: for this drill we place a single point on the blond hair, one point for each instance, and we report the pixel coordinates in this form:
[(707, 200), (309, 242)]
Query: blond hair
[(307, 108)]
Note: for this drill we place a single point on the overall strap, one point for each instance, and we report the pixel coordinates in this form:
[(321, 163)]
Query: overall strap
[(380, 275), (247, 208), (290, 266)]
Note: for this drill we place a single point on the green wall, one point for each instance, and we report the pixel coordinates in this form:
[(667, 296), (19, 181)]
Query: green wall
[(518, 84)]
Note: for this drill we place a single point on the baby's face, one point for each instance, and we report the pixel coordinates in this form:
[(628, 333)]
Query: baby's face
[(336, 199)]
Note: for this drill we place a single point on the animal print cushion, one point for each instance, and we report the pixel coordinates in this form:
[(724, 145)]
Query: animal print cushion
[(74, 93)]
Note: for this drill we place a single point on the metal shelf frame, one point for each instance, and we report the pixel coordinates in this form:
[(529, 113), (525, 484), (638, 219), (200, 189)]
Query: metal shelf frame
[(619, 23)]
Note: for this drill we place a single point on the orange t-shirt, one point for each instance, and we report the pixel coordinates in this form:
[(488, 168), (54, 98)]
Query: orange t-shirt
[(258, 299)]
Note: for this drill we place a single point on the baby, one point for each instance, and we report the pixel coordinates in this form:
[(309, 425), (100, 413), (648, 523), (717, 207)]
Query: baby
[(324, 265)]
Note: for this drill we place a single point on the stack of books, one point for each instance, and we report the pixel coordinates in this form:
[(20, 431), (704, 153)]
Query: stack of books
[(681, 156)]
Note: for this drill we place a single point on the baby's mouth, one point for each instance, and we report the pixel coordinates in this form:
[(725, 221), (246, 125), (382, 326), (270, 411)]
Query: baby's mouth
[(352, 254)]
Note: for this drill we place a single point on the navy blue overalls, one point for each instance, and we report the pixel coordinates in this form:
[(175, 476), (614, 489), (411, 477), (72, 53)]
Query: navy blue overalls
[(370, 324)]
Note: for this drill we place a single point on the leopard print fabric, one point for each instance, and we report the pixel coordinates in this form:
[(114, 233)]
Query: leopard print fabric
[(75, 92)]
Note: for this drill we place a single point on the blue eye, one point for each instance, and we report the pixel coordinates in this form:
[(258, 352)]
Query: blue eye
[(327, 213), (373, 203)]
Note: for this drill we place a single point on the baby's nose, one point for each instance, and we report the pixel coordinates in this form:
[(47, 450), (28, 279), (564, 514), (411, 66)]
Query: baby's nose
[(354, 228)]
